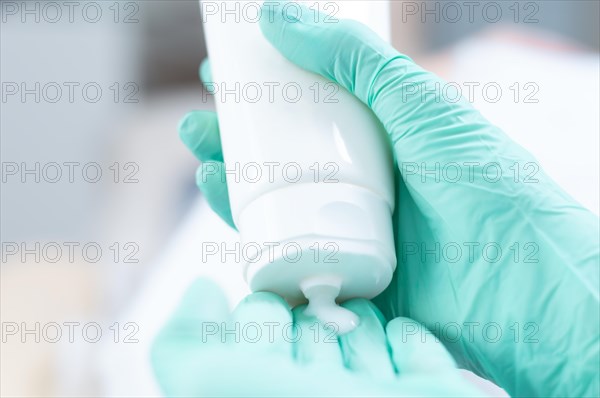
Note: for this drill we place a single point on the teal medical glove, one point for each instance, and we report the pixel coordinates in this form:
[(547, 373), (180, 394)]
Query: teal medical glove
[(264, 349), (493, 257)]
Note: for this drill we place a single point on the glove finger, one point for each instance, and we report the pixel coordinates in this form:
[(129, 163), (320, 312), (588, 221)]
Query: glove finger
[(365, 348), (211, 181), (205, 72), (315, 343), (199, 131), (203, 302), (193, 329), (415, 349), (259, 325)]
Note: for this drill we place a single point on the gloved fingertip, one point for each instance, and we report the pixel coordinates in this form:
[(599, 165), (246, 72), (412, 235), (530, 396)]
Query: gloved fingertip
[(187, 128), (264, 297), (203, 301), (210, 179), (193, 127), (205, 72), (276, 16), (199, 131), (262, 306), (228, 218), (210, 173), (258, 311), (203, 290)]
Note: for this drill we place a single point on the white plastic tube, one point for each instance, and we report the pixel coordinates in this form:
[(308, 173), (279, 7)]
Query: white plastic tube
[(309, 168)]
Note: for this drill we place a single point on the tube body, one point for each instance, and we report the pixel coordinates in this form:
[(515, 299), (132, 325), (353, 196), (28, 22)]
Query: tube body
[(308, 166)]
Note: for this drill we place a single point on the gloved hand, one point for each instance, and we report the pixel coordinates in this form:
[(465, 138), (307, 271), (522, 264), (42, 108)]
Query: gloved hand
[(493, 257), (264, 349)]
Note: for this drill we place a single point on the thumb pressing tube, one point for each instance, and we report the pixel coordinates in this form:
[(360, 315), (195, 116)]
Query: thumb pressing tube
[(318, 202)]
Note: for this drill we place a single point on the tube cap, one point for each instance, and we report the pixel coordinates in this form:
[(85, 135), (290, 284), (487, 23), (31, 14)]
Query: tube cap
[(319, 232)]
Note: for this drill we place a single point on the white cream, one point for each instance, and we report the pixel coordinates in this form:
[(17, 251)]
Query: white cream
[(310, 166)]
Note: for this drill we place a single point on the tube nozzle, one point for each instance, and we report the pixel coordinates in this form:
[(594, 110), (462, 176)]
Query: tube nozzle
[(321, 292)]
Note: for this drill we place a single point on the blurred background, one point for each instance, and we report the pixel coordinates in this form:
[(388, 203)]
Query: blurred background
[(100, 217)]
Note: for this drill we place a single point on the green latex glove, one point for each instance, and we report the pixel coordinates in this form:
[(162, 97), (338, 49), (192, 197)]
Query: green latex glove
[(528, 318), (268, 350)]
